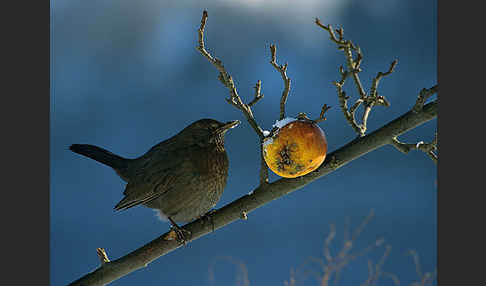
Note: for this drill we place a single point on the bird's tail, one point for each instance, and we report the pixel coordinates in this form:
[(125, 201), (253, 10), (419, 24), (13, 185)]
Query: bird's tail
[(101, 155)]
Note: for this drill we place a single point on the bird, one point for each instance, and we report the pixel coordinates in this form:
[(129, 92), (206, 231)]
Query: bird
[(181, 178)]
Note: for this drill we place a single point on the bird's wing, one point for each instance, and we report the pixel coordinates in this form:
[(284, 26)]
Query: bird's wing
[(163, 169), (142, 192), (158, 174)]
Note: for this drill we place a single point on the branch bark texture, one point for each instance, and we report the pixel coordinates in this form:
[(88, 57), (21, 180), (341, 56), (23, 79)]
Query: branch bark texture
[(260, 196)]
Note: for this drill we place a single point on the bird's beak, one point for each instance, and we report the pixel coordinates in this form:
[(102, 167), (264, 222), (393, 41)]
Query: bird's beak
[(228, 125)]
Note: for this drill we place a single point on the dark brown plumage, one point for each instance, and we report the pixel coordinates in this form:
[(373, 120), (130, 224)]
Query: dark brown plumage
[(182, 177)]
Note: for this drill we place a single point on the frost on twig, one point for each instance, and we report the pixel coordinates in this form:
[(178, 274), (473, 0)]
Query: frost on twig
[(353, 67), (428, 148)]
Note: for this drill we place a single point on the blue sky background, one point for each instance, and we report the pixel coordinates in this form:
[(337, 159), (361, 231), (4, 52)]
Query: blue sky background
[(125, 75)]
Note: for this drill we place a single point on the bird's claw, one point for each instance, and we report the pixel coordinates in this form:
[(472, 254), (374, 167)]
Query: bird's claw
[(182, 234)]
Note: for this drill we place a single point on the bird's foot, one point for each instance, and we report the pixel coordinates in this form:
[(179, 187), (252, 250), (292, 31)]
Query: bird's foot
[(182, 234)]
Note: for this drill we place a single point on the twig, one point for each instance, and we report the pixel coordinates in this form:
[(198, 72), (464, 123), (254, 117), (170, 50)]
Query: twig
[(235, 99), (231, 212), (425, 277), (227, 80), (321, 117), (423, 96), (379, 76), (283, 72), (258, 94), (327, 243), (393, 277), (334, 265), (263, 194), (353, 68), (428, 148), (375, 271), (343, 102), (102, 256)]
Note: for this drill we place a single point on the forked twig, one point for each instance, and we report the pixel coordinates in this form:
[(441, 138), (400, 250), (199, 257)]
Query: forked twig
[(234, 98), (428, 148), (423, 96), (283, 72), (353, 69)]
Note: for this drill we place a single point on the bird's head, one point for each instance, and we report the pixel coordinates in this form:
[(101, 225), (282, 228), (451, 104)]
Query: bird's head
[(206, 131)]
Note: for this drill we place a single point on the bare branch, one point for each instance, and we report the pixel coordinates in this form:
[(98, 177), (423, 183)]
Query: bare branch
[(235, 99), (416, 262), (353, 68), (331, 32), (343, 103), (283, 72), (427, 148), (327, 243), (423, 96), (258, 94), (324, 109), (393, 277), (375, 272), (227, 80), (264, 193), (102, 256), (379, 76), (336, 264), (424, 277), (363, 224)]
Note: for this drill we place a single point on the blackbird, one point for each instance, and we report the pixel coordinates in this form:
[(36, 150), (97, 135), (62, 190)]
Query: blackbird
[(182, 178)]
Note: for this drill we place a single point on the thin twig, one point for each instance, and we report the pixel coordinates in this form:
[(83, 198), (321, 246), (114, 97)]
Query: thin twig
[(235, 99), (379, 76), (334, 265), (102, 255), (353, 68), (423, 277), (283, 72), (423, 96), (343, 103), (231, 212), (258, 94), (375, 271), (321, 117), (427, 148), (327, 243), (227, 80)]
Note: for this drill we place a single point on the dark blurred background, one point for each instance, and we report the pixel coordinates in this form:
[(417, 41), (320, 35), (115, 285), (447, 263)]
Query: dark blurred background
[(125, 75)]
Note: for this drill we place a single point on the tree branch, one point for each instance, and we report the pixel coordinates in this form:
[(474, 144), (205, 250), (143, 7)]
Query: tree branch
[(262, 195), (283, 72), (235, 99), (353, 68), (227, 80)]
